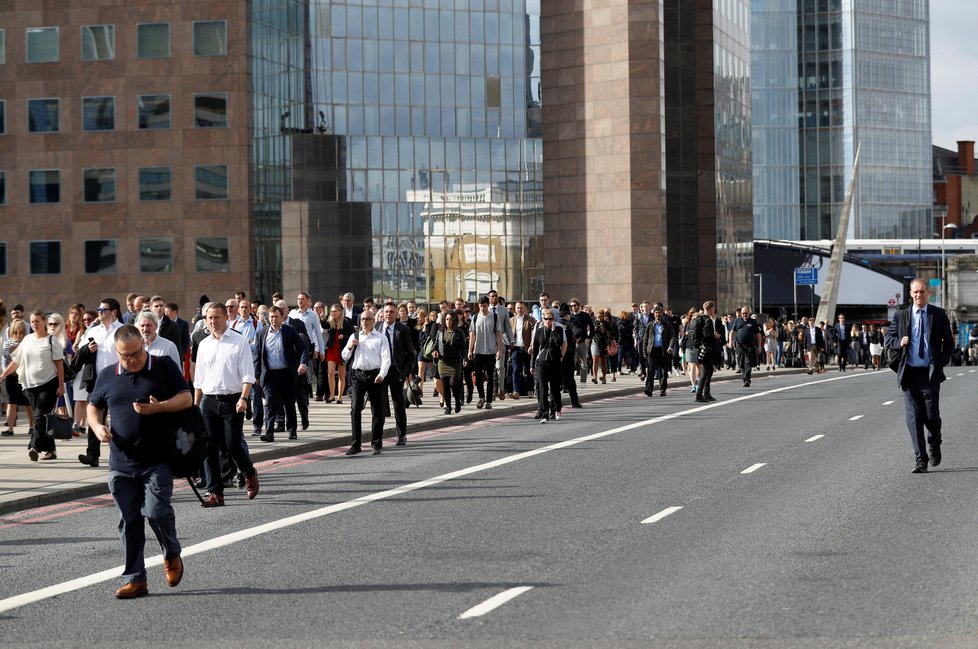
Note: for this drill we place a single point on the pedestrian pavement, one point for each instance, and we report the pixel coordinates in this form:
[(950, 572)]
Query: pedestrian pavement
[(27, 485)]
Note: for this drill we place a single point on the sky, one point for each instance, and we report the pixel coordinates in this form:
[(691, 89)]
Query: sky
[(953, 63)]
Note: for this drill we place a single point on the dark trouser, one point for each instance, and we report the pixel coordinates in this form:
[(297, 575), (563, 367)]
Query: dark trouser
[(643, 360), (521, 375), (567, 370), (843, 353), (485, 371), (746, 357), (584, 358), (42, 399), (922, 399), (224, 424), (706, 376), (302, 390), (395, 385), (280, 391), (548, 394), (258, 408), (363, 386), (320, 369), (658, 360), (144, 494)]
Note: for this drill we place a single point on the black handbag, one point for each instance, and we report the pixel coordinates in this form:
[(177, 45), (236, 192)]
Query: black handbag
[(894, 356), (58, 425)]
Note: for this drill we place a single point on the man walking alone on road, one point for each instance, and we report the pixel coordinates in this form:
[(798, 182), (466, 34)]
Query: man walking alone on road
[(139, 393), (746, 339)]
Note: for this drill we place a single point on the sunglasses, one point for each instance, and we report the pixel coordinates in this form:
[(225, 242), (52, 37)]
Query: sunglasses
[(53, 324), (101, 309), (548, 318)]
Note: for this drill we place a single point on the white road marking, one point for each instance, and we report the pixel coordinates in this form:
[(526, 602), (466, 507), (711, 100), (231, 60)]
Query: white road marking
[(856, 418), (960, 373), (887, 403), (665, 512), (494, 602), (971, 371), (816, 437), (17, 601), (752, 468)]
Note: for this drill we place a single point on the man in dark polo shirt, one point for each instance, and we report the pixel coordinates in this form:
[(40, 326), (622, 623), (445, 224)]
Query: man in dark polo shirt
[(140, 392)]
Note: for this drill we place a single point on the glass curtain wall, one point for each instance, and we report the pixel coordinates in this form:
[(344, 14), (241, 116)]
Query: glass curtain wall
[(437, 102), (278, 50)]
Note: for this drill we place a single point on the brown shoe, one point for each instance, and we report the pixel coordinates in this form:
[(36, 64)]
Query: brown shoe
[(213, 500), (132, 590), (251, 486), (173, 568)]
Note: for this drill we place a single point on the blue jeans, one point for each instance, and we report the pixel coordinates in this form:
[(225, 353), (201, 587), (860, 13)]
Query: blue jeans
[(144, 494), (522, 381)]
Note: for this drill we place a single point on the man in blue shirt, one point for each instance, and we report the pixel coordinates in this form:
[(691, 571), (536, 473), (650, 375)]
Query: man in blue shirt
[(923, 331), (140, 392), (281, 356)]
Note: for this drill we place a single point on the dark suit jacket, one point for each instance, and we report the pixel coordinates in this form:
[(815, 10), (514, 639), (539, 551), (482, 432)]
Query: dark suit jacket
[(819, 345), (347, 330), (668, 336), (938, 331), (171, 331), (184, 327), (296, 353), (404, 356)]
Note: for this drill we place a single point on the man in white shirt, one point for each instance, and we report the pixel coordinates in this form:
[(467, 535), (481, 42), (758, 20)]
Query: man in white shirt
[(314, 327), (499, 307), (368, 358), (485, 348), (101, 343), (223, 379), (155, 344)]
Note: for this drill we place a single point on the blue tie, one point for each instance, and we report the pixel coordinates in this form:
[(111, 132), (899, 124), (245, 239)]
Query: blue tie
[(922, 331)]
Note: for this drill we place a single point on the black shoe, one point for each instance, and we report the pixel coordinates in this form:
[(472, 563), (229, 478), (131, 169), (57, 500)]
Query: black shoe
[(200, 483), (648, 393), (448, 410), (7, 433), (401, 441), (576, 405), (305, 425), (353, 450), (540, 415), (292, 435), (747, 383), (920, 467), (270, 437), (376, 451), (662, 393), (279, 427), (88, 460), (256, 433), (239, 480), (700, 398), (710, 397), (458, 406), (935, 454)]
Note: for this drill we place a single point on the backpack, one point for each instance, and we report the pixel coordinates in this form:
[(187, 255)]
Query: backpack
[(191, 442)]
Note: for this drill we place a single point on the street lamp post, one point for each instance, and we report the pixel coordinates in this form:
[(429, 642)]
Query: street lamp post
[(945, 227), (760, 301)]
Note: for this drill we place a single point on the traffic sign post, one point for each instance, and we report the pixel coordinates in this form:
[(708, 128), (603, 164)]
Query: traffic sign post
[(804, 276)]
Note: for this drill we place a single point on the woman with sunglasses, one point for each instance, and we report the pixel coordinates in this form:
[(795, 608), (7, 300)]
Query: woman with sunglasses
[(337, 332), (451, 347), (40, 361)]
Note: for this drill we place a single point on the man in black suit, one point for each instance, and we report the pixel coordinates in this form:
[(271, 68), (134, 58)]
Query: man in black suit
[(281, 357), (924, 333), (350, 309), (657, 348), (708, 337), (815, 344), (403, 360)]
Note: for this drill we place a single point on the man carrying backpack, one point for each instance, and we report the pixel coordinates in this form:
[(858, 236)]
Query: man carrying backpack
[(139, 392)]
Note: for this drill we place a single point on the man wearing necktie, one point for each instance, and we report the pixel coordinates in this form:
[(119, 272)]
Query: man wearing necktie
[(842, 339), (923, 331), (403, 355)]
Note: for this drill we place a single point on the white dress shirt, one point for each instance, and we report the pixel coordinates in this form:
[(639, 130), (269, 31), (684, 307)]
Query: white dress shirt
[(372, 352), (105, 339), (163, 347), (224, 365), (314, 328)]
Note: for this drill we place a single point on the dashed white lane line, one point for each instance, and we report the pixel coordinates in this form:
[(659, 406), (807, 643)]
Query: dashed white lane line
[(856, 418), (972, 371), (494, 602), (814, 438), (960, 374), (665, 512), (752, 468), (888, 403)]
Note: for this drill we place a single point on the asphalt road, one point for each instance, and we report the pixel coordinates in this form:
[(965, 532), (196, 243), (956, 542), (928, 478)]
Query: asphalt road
[(635, 522)]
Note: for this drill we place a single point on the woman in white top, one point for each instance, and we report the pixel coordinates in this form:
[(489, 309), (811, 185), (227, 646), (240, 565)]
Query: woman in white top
[(39, 362), (15, 394)]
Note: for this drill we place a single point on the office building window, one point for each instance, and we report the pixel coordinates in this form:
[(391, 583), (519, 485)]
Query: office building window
[(3, 187), (155, 183), (211, 110), (155, 255), (45, 186), (42, 45), (98, 42), (42, 115), (100, 257), (153, 41), (3, 257), (212, 182), (3, 117), (212, 254), (154, 111), (45, 257), (3, 46), (98, 113), (211, 38), (99, 185)]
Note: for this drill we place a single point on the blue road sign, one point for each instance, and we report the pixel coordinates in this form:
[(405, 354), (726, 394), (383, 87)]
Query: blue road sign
[(806, 276)]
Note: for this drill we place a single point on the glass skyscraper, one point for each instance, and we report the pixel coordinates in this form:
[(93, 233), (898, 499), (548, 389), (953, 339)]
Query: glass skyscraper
[(414, 169), (829, 76)]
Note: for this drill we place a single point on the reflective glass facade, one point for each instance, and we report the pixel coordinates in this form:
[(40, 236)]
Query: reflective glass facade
[(427, 112), (863, 79)]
